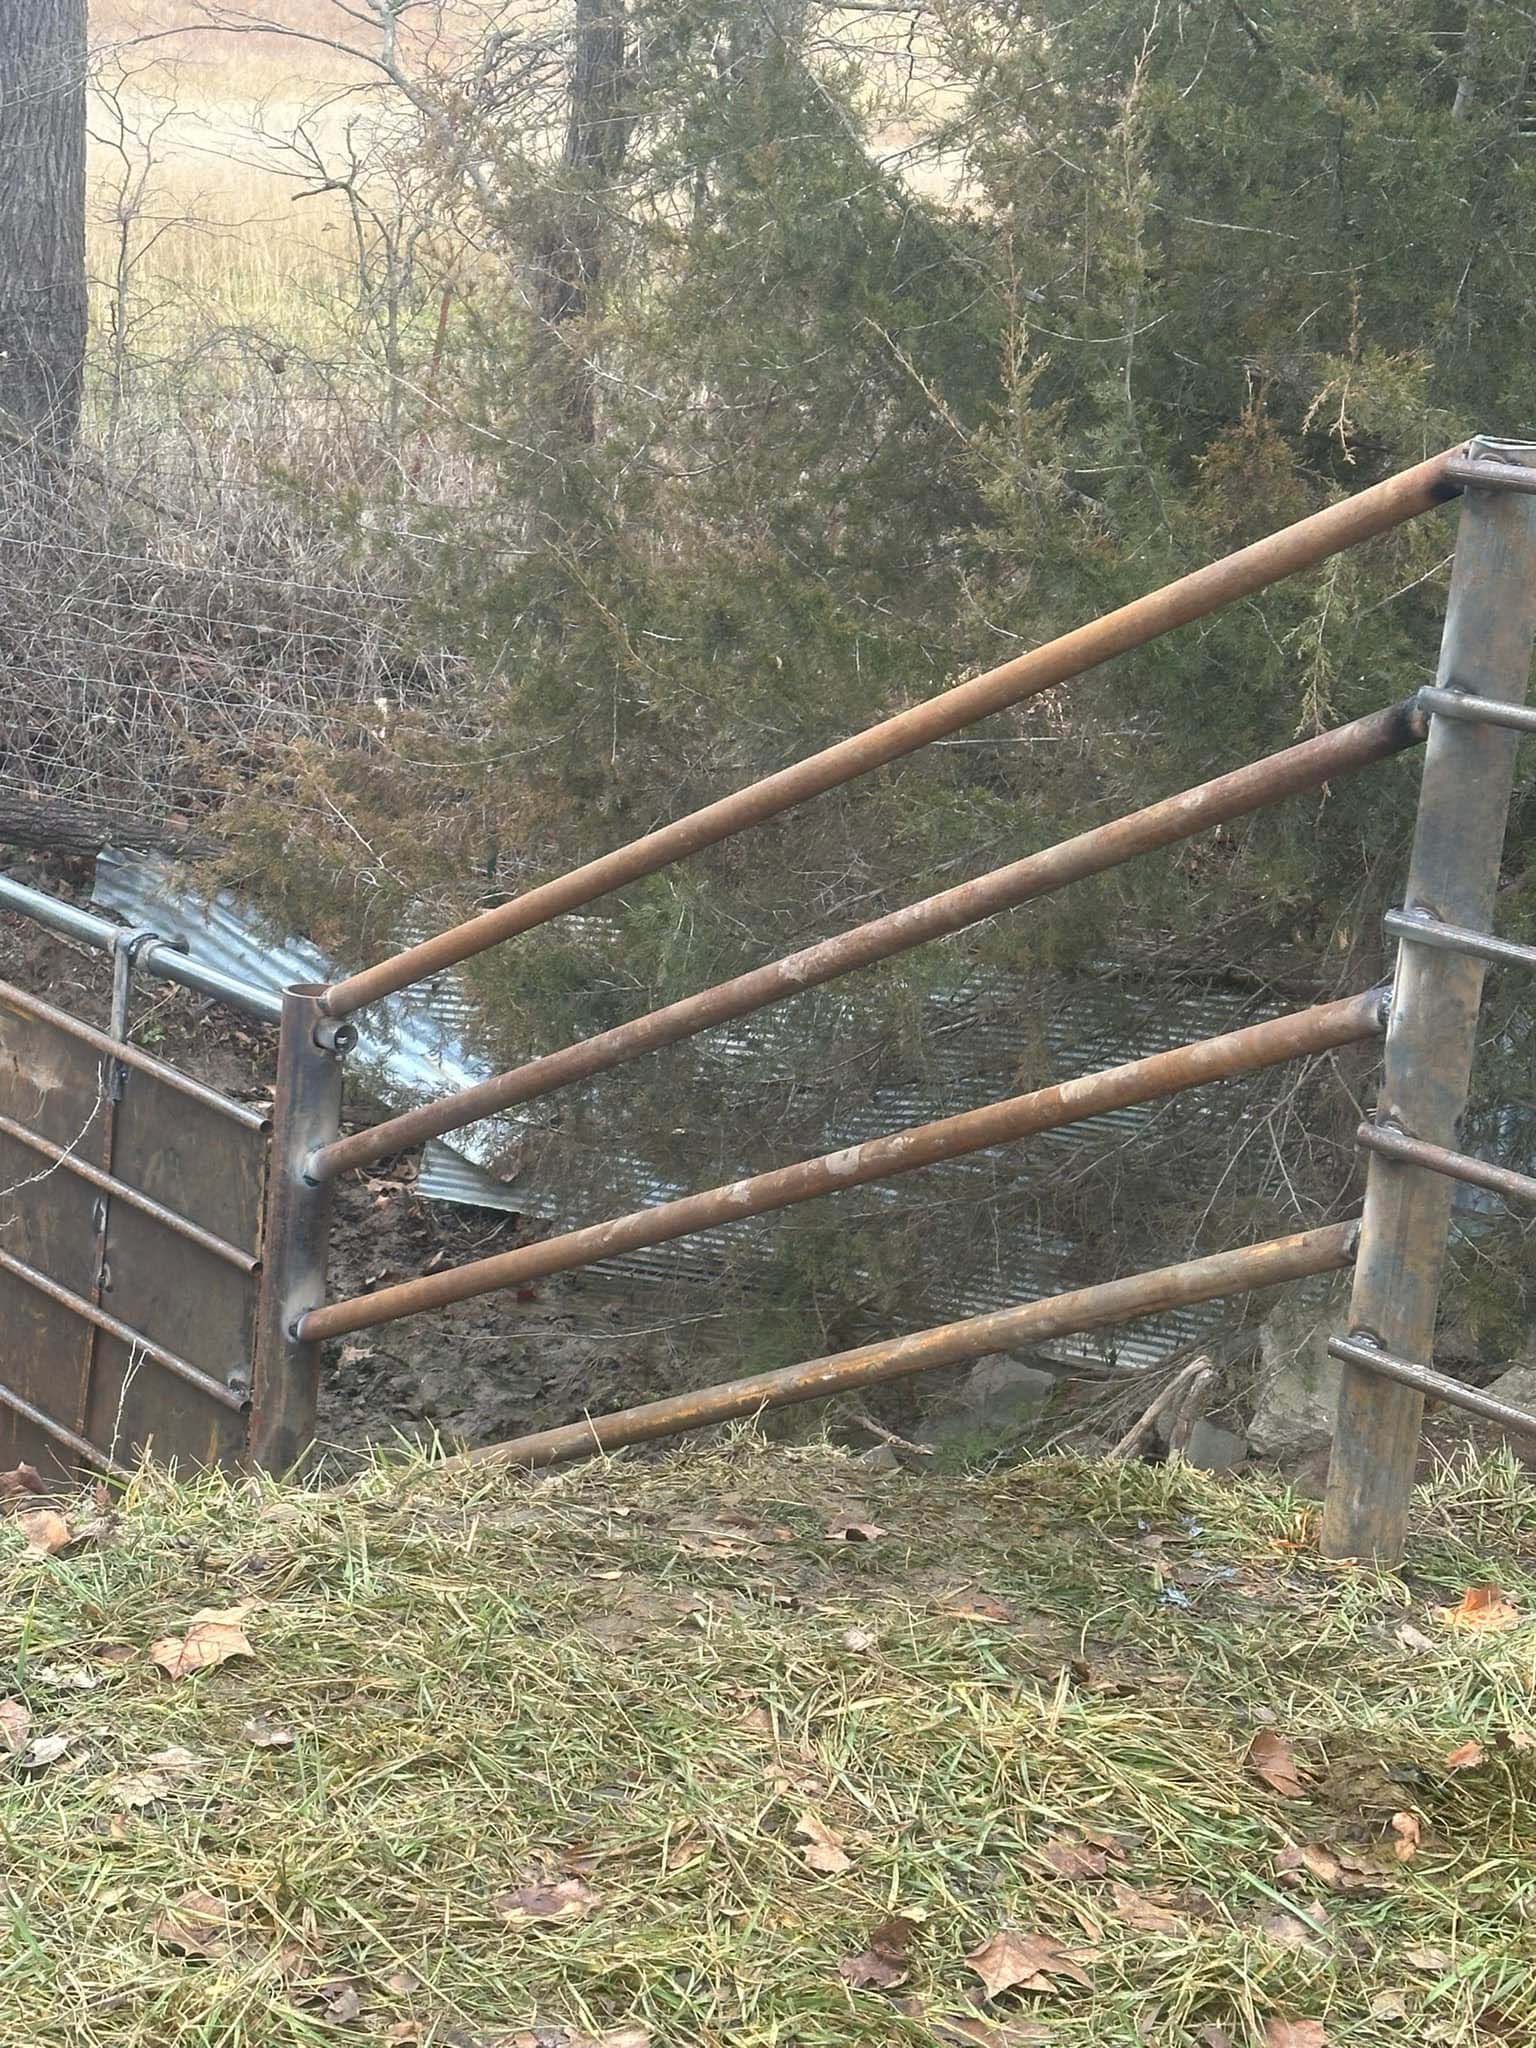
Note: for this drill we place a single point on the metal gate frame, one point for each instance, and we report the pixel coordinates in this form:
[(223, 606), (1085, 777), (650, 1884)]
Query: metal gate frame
[(130, 1267)]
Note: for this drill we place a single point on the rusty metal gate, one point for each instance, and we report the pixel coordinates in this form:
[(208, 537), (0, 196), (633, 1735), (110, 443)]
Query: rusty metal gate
[(131, 1204), (146, 1256)]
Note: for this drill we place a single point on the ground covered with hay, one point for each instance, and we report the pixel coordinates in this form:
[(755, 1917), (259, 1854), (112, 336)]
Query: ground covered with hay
[(755, 1746)]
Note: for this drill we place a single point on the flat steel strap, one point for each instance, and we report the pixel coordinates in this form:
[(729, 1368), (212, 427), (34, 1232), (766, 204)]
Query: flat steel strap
[(1355, 1351)]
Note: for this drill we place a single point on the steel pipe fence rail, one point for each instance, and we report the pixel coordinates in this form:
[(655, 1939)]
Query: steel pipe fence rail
[(130, 1056), (1307, 1253), (1250, 788), (1195, 596), (1321, 1029), (1437, 1386), (1477, 1173), (1458, 704), (135, 1198), (164, 957), (68, 1439), (89, 1312), (1419, 928)]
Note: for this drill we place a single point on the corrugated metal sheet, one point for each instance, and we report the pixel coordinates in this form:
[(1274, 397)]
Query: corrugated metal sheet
[(412, 1048)]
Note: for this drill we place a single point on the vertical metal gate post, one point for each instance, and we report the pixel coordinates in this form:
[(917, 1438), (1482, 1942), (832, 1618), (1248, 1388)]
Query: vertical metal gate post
[(1431, 1035), (306, 1113)]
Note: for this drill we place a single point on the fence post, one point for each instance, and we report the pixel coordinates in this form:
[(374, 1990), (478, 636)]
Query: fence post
[(1453, 875), (295, 1241)]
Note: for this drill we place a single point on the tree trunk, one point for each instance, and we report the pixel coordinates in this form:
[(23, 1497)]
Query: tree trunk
[(50, 825), (42, 215), (569, 259)]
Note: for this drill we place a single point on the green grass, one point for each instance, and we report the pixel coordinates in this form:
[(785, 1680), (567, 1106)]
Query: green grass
[(642, 1675)]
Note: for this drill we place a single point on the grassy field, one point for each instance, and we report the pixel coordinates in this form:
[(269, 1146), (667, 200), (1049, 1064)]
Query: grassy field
[(754, 1747)]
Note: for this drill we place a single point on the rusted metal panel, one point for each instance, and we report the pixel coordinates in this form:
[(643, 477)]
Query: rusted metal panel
[(1320, 1029), (1224, 1273), (1307, 766), (55, 1085), (127, 1282), (1278, 555)]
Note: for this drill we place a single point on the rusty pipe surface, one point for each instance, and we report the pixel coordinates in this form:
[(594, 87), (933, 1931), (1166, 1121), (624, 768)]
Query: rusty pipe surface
[(1259, 783), (1046, 1109), (1036, 1323), (135, 1198), (87, 1452), (1477, 1173), (1311, 540)]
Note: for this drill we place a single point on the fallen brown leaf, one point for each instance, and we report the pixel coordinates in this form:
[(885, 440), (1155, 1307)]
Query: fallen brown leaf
[(849, 1529), (1466, 1757), (957, 2031), (1342, 1870), (22, 1482), (1269, 1757), (1139, 1910), (972, 1606), (1409, 1833), (196, 1924), (46, 1531), (1482, 1607), (261, 1733), (43, 1752), (1294, 2034), (1389, 2005), (213, 1636), (1433, 1960), (860, 1640), (822, 1850), (884, 1963), (1075, 1859), (15, 1723), (1024, 1962), (139, 1789), (567, 1898)]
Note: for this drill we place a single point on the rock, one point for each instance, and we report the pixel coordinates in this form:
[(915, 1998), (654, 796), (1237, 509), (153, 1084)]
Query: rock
[(878, 1458), (1518, 1388), (1298, 1381), (1003, 1386), (999, 1397), (1214, 1449)]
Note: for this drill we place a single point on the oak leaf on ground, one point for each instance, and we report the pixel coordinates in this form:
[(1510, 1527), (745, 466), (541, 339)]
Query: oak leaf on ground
[(213, 1636), (1012, 1961)]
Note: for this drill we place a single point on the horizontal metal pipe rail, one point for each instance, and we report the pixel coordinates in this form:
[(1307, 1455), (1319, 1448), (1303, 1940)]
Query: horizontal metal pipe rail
[(164, 957), (1307, 766), (1218, 584), (135, 1198), (1321, 1029), (78, 1446), (88, 1312), (1424, 1380), (1418, 928), (127, 1055), (1036, 1323), (1478, 710), (1477, 1173)]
